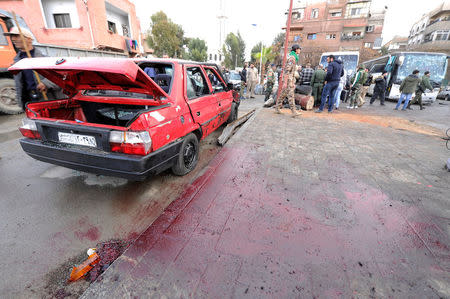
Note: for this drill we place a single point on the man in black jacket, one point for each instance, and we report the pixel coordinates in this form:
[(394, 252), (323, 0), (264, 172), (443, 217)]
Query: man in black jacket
[(334, 73), (379, 90), (243, 75), (27, 87)]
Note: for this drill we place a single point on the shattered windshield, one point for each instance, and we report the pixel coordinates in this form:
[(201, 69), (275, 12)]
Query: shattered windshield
[(436, 64), (350, 62)]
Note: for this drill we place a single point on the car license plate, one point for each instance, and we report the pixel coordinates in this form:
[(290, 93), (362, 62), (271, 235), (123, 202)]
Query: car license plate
[(77, 139)]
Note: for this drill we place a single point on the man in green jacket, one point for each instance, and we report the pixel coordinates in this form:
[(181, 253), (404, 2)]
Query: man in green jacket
[(317, 81), (407, 88), (423, 85), (356, 88)]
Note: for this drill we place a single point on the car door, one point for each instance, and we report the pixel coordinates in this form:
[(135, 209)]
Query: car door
[(223, 96), (200, 99)]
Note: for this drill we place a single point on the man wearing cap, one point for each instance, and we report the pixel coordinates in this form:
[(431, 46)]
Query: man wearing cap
[(270, 81), (27, 88), (289, 81)]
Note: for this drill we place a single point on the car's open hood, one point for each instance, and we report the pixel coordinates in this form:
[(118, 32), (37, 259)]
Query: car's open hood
[(73, 74)]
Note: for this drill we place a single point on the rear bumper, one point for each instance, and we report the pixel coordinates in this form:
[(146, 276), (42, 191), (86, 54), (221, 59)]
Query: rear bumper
[(130, 167)]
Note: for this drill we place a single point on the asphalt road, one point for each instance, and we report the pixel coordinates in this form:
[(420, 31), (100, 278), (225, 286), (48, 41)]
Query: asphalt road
[(51, 215)]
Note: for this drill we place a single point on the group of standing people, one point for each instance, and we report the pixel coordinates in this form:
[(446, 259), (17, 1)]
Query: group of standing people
[(249, 79), (328, 84)]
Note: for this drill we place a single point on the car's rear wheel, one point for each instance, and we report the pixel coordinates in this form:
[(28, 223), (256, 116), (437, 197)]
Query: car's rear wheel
[(188, 156), (447, 97), (234, 113)]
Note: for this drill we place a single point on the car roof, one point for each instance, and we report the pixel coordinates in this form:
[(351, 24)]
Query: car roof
[(174, 60)]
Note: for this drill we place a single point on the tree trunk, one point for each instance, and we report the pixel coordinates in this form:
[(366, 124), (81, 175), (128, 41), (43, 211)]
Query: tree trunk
[(306, 102)]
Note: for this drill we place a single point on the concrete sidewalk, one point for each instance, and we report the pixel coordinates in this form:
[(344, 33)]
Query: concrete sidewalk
[(330, 206)]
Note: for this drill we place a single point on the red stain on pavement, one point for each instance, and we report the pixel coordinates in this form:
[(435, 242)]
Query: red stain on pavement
[(242, 229), (86, 231), (92, 234)]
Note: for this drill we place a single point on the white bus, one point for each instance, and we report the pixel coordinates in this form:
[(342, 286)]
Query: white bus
[(399, 65), (350, 60)]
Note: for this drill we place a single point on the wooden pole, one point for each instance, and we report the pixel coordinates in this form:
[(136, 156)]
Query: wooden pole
[(25, 45), (286, 43)]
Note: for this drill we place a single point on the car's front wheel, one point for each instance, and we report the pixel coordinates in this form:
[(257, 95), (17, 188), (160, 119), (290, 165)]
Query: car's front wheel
[(447, 98), (234, 113), (188, 156)]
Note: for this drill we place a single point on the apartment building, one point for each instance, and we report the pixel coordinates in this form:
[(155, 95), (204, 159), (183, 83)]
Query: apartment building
[(397, 43), (88, 24), (432, 31), (335, 25)]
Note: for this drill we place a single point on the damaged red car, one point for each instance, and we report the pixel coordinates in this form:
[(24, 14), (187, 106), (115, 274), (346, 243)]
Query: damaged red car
[(123, 117)]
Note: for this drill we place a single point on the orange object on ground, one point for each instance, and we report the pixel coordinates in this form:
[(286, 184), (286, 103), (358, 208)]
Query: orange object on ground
[(84, 268)]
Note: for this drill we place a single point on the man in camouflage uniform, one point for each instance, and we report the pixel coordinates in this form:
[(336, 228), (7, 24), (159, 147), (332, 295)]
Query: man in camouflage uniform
[(270, 81), (289, 81), (317, 81), (356, 88), (365, 87), (423, 85)]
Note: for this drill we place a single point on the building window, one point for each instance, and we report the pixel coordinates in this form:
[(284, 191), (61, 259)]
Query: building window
[(210, 56), (215, 57), (442, 35), (336, 13), (112, 27), (120, 19), (297, 38), (355, 11), (330, 36), (312, 36), (125, 30), (60, 14), (370, 28), (298, 15), (62, 20), (315, 13), (367, 45)]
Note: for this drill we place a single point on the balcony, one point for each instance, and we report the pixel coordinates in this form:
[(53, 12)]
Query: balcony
[(346, 37), (437, 25), (447, 18)]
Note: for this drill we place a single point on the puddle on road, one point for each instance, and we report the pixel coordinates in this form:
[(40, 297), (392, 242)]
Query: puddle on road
[(89, 179)]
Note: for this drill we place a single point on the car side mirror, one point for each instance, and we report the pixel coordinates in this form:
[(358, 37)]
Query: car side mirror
[(230, 86)]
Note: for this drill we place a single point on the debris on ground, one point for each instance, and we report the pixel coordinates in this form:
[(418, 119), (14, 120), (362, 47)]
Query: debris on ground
[(81, 270), (270, 102), (232, 128), (108, 252), (99, 260)]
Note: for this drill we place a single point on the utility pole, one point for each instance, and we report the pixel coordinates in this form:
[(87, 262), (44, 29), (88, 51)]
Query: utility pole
[(286, 44), (260, 63), (89, 22)]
